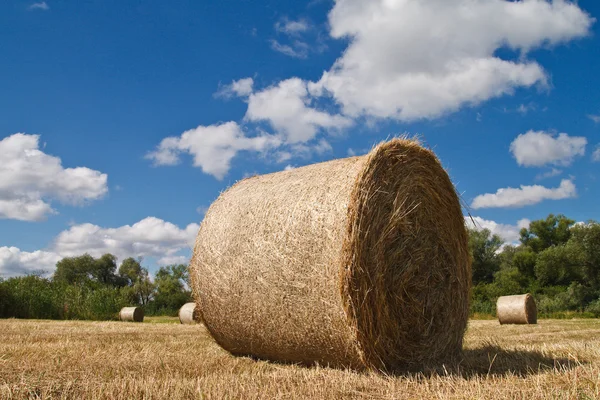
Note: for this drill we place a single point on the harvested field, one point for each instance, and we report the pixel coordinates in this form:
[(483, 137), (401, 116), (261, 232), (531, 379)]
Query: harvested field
[(558, 359)]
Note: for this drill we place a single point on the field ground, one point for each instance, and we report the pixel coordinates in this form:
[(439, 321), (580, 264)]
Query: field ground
[(558, 359)]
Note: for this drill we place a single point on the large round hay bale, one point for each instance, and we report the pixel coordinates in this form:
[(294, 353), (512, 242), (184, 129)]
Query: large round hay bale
[(517, 309), (188, 314), (360, 262), (135, 314)]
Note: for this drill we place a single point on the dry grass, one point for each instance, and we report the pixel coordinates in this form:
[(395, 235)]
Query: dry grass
[(558, 359)]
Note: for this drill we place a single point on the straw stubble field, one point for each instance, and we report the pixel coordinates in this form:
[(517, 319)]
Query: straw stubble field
[(115, 360)]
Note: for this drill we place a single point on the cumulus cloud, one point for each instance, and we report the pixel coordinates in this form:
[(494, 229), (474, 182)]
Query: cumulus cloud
[(150, 237), (538, 148), (15, 262), (42, 5), (213, 147), (524, 109), (509, 233), (595, 118), (405, 60), (298, 49), (240, 88), (549, 174), (596, 154), (421, 59), (30, 179), (525, 195), (291, 27), (286, 106)]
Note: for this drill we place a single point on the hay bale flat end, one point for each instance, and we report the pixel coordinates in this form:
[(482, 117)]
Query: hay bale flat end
[(133, 314)]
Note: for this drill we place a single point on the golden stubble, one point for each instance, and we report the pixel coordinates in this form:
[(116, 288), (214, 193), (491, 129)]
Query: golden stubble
[(556, 359)]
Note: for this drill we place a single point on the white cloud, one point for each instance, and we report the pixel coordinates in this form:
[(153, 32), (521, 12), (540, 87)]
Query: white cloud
[(525, 195), (595, 118), (405, 60), (283, 156), (286, 107), (169, 260), (322, 147), (509, 233), (524, 109), (291, 27), (289, 167), (549, 174), (30, 178), (15, 262), (421, 59), (240, 88), (298, 49), (212, 147), (39, 6), (150, 237), (536, 149), (596, 154), (201, 210)]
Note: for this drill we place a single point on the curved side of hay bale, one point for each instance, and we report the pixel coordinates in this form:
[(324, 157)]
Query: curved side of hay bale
[(188, 314), (359, 262), (516, 309), (134, 314)]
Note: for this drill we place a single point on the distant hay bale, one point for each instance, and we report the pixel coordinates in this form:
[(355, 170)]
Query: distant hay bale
[(517, 309), (359, 262), (135, 314), (188, 314)]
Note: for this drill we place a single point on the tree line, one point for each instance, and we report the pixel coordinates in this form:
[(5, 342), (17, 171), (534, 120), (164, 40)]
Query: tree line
[(85, 287), (556, 260)]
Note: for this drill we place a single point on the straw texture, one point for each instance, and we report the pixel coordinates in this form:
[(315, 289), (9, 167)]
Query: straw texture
[(359, 262), (516, 309), (134, 314), (188, 314)]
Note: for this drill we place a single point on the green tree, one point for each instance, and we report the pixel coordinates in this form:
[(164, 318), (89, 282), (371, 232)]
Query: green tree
[(545, 233), (75, 270), (484, 247), (171, 292), (130, 271), (104, 271), (585, 242), (138, 289), (88, 271), (524, 260), (558, 266)]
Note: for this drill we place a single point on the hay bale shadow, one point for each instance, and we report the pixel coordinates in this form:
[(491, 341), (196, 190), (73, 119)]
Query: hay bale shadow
[(489, 360), (486, 361), (492, 360)]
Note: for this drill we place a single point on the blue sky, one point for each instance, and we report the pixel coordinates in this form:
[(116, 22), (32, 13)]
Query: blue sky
[(145, 111)]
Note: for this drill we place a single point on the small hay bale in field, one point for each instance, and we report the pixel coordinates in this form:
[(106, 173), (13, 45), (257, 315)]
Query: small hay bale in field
[(517, 309), (188, 314), (359, 262), (135, 314)]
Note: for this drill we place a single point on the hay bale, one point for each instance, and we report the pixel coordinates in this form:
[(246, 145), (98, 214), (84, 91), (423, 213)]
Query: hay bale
[(359, 262), (188, 314), (517, 309), (135, 314)]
